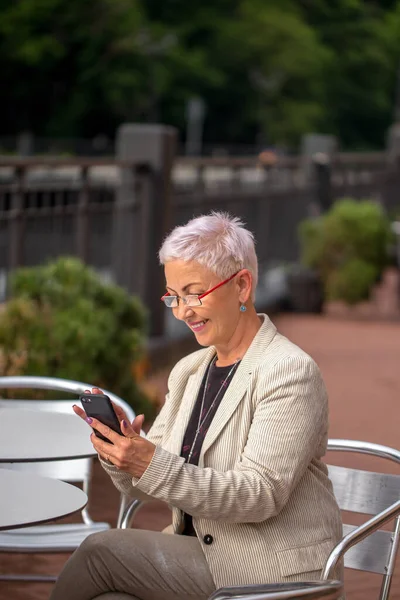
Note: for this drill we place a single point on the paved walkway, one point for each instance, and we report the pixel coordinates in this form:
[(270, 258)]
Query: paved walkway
[(360, 361)]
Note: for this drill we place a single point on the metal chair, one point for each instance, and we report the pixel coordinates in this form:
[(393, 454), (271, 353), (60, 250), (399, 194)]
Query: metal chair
[(60, 537), (314, 590), (366, 547), (310, 590)]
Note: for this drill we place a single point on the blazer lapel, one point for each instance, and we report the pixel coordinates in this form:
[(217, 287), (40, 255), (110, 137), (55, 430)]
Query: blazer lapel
[(239, 384), (187, 404), (232, 398)]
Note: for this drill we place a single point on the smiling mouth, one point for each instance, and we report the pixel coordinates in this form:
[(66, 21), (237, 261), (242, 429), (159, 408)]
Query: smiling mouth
[(197, 325)]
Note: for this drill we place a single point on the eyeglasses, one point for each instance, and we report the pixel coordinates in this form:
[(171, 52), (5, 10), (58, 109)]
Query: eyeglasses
[(192, 299)]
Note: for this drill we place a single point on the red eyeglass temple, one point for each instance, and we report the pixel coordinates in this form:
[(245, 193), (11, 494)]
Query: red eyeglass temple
[(212, 289)]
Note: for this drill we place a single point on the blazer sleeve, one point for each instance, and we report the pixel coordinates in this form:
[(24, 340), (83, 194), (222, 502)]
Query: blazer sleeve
[(288, 429), (122, 480)]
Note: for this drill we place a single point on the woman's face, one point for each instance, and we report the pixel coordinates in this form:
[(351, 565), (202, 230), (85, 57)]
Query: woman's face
[(215, 321)]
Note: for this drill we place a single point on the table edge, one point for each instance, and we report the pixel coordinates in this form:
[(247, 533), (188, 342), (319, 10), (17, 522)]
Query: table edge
[(34, 523), (46, 459)]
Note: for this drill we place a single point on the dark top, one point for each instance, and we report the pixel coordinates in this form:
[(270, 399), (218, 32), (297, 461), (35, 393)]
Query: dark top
[(216, 377)]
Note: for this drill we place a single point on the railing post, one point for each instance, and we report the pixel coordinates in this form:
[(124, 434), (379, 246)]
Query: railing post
[(236, 181), (16, 218), (123, 225), (323, 184), (151, 203), (200, 183), (82, 226), (390, 189), (317, 179)]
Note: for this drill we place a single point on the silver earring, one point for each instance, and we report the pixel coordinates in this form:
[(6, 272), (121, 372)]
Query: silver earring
[(243, 308)]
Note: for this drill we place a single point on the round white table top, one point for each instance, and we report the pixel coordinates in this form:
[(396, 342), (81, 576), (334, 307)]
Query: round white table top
[(27, 499), (30, 436)]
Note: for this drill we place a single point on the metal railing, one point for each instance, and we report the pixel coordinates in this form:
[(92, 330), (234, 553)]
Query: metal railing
[(113, 214)]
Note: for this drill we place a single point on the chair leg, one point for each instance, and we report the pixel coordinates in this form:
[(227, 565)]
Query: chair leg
[(122, 508), (387, 579), (129, 513)]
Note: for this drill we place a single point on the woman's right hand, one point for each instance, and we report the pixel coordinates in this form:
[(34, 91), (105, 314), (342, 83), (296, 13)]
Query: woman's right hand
[(136, 425)]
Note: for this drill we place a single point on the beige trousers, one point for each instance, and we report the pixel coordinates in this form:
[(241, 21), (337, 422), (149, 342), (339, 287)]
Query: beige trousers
[(133, 564)]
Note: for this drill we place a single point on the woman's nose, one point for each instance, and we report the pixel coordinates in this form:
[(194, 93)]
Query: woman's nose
[(182, 312)]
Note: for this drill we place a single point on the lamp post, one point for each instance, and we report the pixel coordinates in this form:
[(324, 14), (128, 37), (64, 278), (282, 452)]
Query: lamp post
[(265, 86), (195, 113), (153, 50), (397, 97)]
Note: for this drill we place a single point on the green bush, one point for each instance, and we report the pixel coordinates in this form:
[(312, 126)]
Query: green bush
[(352, 282), (348, 247), (64, 321)]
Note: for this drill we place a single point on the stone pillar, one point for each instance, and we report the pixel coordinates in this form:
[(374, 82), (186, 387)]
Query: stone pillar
[(143, 211)]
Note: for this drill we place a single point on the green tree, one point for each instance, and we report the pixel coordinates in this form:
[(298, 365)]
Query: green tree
[(263, 63), (278, 66), (81, 68), (70, 68), (360, 81)]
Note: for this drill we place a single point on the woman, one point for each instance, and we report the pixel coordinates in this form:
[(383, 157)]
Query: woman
[(235, 451)]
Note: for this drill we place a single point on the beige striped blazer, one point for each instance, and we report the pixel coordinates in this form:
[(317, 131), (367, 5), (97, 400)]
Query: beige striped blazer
[(261, 500)]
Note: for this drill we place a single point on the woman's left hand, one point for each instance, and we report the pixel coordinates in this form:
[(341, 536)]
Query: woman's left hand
[(129, 452)]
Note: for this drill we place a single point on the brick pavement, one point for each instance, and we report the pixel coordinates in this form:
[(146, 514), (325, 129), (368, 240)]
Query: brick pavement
[(360, 362)]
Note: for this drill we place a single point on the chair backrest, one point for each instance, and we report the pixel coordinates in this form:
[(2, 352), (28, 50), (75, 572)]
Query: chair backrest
[(368, 493), (74, 471), (60, 385)]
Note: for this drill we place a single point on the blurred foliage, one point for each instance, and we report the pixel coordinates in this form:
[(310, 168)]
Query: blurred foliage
[(349, 247), (360, 81), (264, 68), (63, 321), (352, 283)]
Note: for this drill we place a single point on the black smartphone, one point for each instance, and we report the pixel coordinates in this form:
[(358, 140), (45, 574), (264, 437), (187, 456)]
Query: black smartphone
[(98, 406)]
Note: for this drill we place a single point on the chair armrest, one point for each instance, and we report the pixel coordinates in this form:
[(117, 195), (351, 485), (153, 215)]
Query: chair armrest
[(365, 448), (357, 535), (310, 590)]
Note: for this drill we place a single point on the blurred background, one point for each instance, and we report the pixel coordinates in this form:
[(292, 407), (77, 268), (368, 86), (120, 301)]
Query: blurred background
[(121, 119), (261, 71)]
